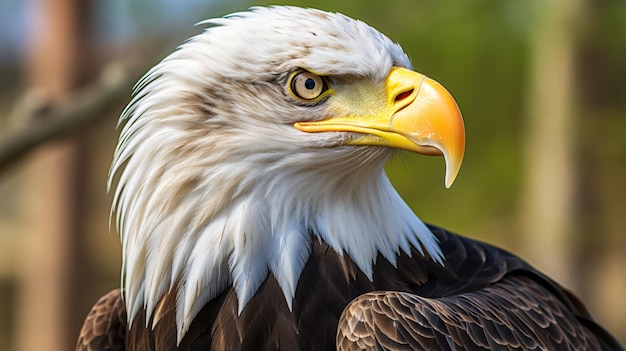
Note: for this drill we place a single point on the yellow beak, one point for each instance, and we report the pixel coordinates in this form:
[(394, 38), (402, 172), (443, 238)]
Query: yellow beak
[(418, 114)]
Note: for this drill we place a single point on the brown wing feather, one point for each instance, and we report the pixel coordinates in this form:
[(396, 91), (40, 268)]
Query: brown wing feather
[(482, 299), (517, 313), (105, 326)]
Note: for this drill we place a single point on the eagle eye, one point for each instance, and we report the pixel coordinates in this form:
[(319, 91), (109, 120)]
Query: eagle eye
[(306, 85)]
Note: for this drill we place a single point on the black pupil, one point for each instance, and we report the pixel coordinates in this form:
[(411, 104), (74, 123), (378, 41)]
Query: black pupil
[(309, 83)]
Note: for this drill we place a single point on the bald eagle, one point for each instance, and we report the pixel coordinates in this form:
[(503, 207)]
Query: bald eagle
[(255, 213)]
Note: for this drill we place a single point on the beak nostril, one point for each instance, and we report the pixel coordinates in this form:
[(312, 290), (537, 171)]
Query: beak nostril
[(403, 95)]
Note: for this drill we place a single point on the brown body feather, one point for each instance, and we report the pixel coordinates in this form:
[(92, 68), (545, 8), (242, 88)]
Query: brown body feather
[(484, 298)]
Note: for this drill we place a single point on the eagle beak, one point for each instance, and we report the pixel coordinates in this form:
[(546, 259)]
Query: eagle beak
[(418, 114)]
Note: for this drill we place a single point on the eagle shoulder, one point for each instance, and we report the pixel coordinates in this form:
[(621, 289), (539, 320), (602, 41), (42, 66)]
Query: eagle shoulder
[(105, 327), (483, 298), (514, 313)]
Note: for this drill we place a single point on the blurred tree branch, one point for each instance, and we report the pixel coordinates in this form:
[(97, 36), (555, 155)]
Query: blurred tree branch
[(37, 120)]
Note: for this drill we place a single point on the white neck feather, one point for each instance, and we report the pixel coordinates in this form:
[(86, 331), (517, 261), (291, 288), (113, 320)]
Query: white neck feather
[(236, 225)]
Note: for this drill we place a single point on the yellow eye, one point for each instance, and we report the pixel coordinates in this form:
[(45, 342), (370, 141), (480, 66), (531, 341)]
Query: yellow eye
[(307, 85)]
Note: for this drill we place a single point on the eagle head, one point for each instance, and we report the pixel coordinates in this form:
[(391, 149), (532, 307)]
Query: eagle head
[(269, 130)]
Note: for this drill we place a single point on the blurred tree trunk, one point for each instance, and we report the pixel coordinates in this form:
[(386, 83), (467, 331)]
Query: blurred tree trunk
[(50, 269), (602, 146), (548, 193)]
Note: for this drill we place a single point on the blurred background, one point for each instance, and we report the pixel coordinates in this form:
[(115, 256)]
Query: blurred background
[(541, 83)]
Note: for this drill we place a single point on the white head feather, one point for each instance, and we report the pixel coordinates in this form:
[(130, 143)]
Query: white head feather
[(217, 188)]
